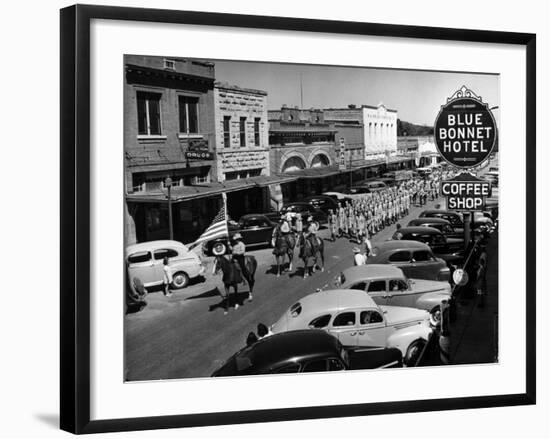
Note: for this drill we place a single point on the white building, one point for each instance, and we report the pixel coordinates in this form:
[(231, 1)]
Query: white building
[(379, 127)]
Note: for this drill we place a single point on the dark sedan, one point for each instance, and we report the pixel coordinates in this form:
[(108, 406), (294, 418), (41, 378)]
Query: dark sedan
[(323, 202), (255, 229), (415, 258), (449, 249), (310, 350), (440, 224)]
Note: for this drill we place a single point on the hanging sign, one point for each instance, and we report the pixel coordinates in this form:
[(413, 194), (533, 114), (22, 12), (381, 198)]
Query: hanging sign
[(466, 192), (465, 130)]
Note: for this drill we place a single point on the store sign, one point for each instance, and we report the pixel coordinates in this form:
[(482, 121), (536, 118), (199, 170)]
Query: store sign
[(342, 161), (465, 130), (466, 192), (199, 155)]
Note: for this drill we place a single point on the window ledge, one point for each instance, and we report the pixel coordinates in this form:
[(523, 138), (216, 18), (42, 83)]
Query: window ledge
[(155, 137), (190, 136)]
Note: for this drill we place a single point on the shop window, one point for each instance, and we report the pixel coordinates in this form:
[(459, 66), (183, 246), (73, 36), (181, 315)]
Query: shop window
[(148, 113), (189, 114), (170, 64)]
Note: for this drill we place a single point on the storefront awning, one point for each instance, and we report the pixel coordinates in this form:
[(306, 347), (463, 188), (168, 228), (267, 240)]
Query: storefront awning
[(185, 193)]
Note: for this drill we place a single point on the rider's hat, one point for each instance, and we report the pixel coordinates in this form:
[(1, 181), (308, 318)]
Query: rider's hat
[(356, 250), (237, 236)]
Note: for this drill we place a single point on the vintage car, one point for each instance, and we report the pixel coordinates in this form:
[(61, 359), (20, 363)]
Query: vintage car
[(449, 249), (480, 223), (323, 202), (440, 224), (415, 258), (144, 261), (341, 197), (304, 351), (368, 187), (388, 285), (255, 229), (356, 320)]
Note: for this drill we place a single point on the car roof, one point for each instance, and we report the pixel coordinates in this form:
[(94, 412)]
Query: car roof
[(319, 198), (427, 220), (252, 216), (297, 203), (333, 300), (401, 244), (420, 229), (372, 271), (280, 347), (432, 211), (154, 245)]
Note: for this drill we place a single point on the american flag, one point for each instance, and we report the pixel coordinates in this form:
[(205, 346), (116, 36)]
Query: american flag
[(217, 229)]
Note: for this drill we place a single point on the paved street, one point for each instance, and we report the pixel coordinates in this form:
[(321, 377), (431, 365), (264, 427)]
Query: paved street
[(188, 335)]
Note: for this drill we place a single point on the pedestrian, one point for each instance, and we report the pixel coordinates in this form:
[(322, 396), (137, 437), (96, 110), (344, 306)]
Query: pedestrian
[(298, 228), (263, 331), (238, 250), (358, 257), (481, 280), (168, 277), (332, 224), (251, 339)]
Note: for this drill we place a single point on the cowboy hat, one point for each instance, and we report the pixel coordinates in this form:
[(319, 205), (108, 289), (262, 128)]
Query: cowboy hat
[(356, 250), (237, 236)]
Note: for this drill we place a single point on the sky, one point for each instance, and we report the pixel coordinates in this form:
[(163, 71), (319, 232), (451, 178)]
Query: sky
[(416, 95)]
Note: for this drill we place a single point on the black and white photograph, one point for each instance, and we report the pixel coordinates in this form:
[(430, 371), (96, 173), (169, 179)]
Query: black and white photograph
[(285, 218)]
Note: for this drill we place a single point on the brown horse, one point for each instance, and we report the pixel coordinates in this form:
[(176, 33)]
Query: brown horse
[(312, 252), (233, 276), (283, 244)]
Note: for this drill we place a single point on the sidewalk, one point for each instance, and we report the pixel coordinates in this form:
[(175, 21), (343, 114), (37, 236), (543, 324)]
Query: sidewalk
[(474, 333)]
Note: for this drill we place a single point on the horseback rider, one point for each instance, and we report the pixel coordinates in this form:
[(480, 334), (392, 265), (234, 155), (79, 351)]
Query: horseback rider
[(238, 250)]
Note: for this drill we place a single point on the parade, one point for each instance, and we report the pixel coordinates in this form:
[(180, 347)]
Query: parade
[(237, 283), (249, 222)]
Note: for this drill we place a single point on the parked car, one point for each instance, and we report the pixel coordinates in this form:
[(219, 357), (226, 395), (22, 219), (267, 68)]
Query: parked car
[(368, 187), (356, 320), (415, 258), (255, 229), (323, 202), (440, 224), (304, 351), (449, 249), (453, 217), (339, 196), (388, 285), (145, 262), (302, 207)]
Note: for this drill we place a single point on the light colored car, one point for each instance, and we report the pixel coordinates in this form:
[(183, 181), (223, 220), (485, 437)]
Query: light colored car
[(388, 285), (145, 261), (356, 320)]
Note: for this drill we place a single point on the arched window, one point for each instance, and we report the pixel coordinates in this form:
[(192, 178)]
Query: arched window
[(294, 164), (319, 161)]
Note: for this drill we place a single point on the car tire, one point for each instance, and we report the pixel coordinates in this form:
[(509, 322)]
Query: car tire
[(413, 352), (180, 280), (219, 248)]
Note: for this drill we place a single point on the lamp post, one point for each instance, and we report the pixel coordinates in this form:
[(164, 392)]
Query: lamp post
[(168, 184)]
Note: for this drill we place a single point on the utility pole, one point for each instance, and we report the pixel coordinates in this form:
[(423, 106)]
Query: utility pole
[(168, 184)]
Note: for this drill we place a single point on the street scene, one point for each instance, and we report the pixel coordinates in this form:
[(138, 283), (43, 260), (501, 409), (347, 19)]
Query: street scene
[(267, 238)]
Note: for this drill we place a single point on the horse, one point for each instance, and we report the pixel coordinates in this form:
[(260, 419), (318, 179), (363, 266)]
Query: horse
[(312, 251), (283, 244), (233, 276)]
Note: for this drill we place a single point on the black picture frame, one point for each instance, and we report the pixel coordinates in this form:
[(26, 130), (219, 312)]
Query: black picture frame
[(75, 217)]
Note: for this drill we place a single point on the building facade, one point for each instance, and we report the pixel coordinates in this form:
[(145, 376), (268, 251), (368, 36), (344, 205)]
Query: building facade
[(168, 132), (379, 126), (242, 145)]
